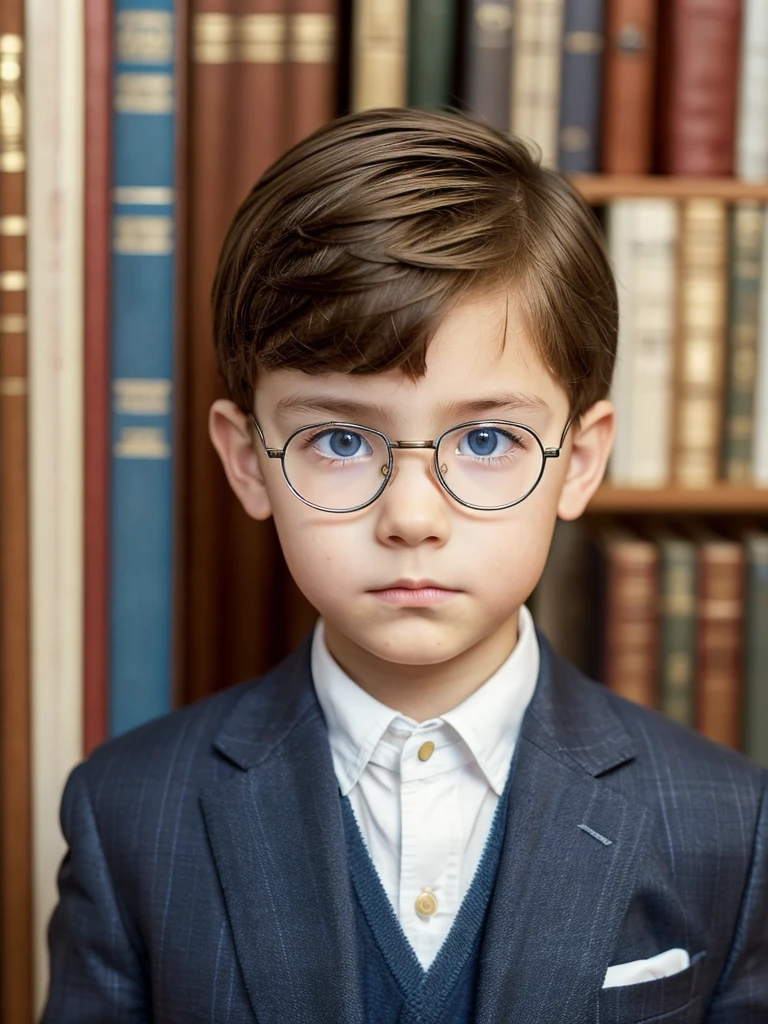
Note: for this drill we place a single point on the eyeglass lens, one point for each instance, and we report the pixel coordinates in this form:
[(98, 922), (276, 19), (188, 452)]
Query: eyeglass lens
[(340, 468)]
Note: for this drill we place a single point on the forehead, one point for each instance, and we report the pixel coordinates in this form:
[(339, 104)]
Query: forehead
[(480, 351)]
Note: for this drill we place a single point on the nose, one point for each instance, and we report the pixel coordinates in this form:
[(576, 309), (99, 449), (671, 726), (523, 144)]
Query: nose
[(414, 507)]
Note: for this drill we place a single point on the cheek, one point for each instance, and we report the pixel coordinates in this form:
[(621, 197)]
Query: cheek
[(323, 555)]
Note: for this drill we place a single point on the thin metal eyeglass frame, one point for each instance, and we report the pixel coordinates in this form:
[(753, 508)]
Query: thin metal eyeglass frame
[(279, 453)]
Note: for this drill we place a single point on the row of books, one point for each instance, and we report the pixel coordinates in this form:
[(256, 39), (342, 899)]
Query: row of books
[(670, 616), (624, 86), (691, 376)]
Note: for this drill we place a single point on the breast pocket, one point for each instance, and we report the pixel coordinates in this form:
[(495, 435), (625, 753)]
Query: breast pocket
[(672, 1000)]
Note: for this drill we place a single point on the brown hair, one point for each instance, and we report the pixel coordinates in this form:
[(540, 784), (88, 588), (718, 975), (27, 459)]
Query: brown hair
[(352, 247)]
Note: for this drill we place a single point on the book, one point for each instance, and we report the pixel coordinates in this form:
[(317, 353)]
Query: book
[(745, 250), (96, 311), (642, 240), (699, 57), (15, 710), (700, 354), (628, 87), (751, 157), (142, 366), (760, 433), (720, 655), (677, 661), (432, 43), (536, 78), (379, 53), (580, 86), (488, 42), (756, 646), (312, 64), (628, 607), (56, 147)]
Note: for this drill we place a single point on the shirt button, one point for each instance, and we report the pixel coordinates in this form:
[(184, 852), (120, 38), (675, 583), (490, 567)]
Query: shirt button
[(426, 903), (426, 750)]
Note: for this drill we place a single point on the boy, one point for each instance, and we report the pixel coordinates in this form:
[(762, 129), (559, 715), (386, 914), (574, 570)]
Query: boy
[(423, 814)]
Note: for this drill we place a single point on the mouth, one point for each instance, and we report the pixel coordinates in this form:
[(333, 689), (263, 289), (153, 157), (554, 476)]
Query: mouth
[(414, 593)]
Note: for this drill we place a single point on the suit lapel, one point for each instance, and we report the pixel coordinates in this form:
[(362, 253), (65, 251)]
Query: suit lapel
[(570, 856), (278, 842)]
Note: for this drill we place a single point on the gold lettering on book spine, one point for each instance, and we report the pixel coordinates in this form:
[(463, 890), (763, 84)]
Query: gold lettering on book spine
[(13, 227), (144, 37), (12, 156), (312, 39), (214, 38), (142, 396), (142, 443), (142, 93), (143, 236), (262, 38)]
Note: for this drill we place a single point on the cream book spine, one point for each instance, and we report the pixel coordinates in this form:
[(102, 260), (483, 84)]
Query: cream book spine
[(760, 449), (700, 357), (752, 114), (619, 227), (536, 74), (379, 53), (652, 327), (55, 198)]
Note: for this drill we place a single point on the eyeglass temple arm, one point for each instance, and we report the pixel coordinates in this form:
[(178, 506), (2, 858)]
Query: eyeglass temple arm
[(272, 453), (554, 453)]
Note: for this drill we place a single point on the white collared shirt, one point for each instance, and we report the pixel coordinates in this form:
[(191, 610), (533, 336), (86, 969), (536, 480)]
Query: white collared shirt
[(425, 822)]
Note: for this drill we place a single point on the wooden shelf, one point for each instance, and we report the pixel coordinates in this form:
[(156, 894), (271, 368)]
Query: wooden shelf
[(712, 501), (604, 188)]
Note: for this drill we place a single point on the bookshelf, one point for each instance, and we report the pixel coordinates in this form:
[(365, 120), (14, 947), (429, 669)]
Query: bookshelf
[(605, 188), (719, 500)]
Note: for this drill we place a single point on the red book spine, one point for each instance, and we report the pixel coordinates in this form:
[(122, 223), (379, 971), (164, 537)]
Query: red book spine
[(15, 710), (98, 120), (720, 672), (312, 66), (630, 63), (699, 80)]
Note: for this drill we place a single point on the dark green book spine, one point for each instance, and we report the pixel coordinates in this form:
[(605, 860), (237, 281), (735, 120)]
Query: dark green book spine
[(746, 230), (756, 649), (678, 629), (431, 52)]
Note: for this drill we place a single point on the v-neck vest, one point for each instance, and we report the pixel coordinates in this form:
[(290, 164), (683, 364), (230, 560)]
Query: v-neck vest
[(397, 989)]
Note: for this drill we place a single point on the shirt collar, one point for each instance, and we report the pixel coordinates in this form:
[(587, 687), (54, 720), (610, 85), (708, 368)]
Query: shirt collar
[(488, 721)]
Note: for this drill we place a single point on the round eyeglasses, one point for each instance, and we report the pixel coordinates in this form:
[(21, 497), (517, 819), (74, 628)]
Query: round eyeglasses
[(487, 465)]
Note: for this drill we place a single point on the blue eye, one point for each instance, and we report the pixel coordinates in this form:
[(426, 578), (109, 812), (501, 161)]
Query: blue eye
[(486, 442), (341, 444)]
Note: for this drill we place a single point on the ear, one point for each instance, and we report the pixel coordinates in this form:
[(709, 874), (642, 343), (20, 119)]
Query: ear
[(591, 446), (232, 437)]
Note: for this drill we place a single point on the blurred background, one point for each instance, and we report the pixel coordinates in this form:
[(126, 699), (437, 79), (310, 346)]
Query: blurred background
[(131, 581)]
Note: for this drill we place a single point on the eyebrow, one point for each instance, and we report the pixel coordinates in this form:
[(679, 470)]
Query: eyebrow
[(466, 408)]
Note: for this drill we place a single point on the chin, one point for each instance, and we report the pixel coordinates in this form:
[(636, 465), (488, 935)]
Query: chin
[(415, 643)]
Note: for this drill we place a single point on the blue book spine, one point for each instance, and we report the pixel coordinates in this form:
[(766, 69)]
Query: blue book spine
[(142, 363), (580, 86)]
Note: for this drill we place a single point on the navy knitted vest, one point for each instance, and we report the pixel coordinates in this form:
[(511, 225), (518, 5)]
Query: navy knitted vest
[(397, 989)]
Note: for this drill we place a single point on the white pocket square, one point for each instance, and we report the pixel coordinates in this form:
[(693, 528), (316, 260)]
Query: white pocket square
[(672, 961)]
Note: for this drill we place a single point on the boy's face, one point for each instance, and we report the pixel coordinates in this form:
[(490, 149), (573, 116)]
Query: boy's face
[(487, 561)]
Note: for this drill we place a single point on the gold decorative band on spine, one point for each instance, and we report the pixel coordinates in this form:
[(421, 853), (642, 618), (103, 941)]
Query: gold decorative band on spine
[(12, 157), (13, 227), (144, 37), (142, 443), (13, 323), (143, 236), (13, 387), (147, 195), (137, 92), (583, 42), (142, 397), (312, 39), (13, 281), (263, 38), (13, 162), (214, 38)]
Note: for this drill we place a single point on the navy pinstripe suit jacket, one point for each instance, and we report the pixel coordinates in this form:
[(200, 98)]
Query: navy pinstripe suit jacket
[(206, 877)]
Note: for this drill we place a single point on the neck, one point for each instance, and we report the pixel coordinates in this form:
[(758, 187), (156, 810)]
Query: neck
[(422, 692)]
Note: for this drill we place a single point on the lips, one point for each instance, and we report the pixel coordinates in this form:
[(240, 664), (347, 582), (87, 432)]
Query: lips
[(413, 585)]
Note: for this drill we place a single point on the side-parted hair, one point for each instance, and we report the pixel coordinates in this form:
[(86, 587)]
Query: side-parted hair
[(351, 248)]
